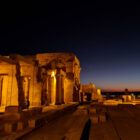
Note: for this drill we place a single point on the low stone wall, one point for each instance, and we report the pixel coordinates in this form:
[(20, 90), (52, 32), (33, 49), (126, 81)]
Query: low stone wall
[(34, 118)]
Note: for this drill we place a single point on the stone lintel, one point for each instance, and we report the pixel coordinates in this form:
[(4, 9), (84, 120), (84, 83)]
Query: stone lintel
[(49, 72), (19, 58), (56, 72), (7, 60)]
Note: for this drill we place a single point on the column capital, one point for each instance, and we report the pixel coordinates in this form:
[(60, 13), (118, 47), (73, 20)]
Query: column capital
[(61, 72), (51, 72)]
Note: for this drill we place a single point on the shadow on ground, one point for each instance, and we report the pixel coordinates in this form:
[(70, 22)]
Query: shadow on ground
[(85, 133)]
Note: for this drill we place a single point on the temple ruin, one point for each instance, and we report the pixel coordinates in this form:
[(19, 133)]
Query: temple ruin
[(42, 79), (90, 93)]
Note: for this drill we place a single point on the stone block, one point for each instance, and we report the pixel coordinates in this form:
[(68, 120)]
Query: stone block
[(80, 112), (81, 107), (92, 111), (103, 110), (12, 109), (94, 119), (27, 113), (21, 125), (11, 116), (9, 127), (34, 123), (102, 118)]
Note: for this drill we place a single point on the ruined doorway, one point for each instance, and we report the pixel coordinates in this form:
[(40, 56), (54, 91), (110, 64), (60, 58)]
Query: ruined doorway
[(88, 96)]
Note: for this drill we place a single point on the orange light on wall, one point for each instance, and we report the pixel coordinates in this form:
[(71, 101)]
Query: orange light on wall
[(53, 88), (98, 92), (52, 74)]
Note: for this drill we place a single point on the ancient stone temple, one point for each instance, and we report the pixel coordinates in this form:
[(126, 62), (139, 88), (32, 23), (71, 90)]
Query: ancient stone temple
[(90, 93), (42, 79)]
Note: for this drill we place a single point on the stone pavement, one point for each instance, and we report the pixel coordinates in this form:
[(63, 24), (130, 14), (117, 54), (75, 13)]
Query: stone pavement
[(126, 123), (69, 126), (123, 124)]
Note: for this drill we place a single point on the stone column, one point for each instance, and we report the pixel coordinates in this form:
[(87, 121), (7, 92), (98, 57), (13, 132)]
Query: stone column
[(5, 98), (48, 89), (1, 84), (58, 89), (62, 89), (53, 90)]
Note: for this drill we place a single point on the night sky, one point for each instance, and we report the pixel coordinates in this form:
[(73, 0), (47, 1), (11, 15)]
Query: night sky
[(104, 36)]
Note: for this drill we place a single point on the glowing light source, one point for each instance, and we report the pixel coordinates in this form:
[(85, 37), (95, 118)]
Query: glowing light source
[(98, 92), (53, 88), (53, 74)]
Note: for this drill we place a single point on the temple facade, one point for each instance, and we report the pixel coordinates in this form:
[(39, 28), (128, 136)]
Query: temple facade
[(42, 79)]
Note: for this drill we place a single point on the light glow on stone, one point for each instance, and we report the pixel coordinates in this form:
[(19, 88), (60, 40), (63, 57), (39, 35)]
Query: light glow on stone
[(53, 74)]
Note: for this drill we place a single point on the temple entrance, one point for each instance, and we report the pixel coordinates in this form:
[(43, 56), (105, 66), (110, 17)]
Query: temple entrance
[(81, 97), (88, 96)]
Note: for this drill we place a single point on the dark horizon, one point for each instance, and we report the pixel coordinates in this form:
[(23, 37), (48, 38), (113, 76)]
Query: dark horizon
[(119, 91), (104, 37)]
